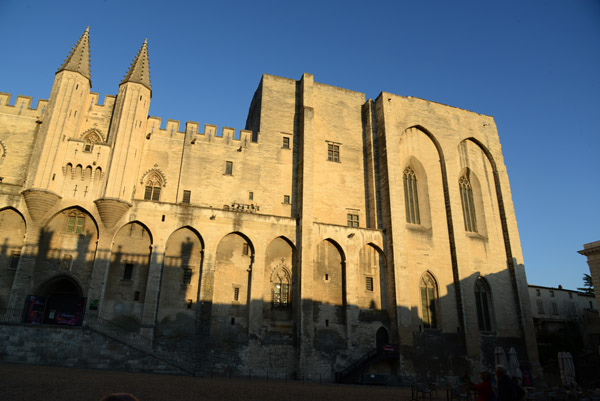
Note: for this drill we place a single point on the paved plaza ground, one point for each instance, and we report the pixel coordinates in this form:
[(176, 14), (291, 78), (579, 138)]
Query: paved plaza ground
[(36, 383)]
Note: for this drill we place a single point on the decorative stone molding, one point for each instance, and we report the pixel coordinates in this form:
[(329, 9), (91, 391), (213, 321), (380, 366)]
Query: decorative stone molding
[(111, 210), (39, 201)]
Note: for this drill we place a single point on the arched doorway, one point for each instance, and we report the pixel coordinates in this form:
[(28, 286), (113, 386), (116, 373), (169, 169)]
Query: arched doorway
[(381, 338), (58, 301)]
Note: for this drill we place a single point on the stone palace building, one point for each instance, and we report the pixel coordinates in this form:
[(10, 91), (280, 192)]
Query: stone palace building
[(334, 234)]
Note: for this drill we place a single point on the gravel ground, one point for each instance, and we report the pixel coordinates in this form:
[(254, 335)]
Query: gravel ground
[(36, 383)]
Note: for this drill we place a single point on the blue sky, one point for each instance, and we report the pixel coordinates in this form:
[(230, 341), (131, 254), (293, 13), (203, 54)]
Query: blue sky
[(533, 65)]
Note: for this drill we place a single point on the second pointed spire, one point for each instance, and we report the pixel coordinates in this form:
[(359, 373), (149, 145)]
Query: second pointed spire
[(139, 71)]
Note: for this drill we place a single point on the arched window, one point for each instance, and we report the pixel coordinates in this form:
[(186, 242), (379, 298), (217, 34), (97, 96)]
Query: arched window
[(90, 138), (466, 196), (483, 301), (429, 301), (280, 281), (411, 197), (153, 185)]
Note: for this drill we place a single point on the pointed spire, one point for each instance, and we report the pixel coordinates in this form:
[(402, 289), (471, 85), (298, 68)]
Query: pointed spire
[(79, 58), (140, 68)]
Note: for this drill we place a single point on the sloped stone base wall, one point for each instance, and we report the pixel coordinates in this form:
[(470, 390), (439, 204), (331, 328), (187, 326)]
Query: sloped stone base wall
[(74, 347)]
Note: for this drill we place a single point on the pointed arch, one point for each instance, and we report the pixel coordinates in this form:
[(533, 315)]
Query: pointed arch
[(484, 304), (373, 278), (505, 234), (12, 236), (450, 224), (430, 313), (180, 281), (153, 182), (90, 138)]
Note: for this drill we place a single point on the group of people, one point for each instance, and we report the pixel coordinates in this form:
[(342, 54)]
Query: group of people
[(508, 389)]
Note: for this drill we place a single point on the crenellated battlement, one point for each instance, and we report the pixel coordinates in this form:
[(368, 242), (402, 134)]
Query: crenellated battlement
[(192, 132), (22, 105), (109, 100)]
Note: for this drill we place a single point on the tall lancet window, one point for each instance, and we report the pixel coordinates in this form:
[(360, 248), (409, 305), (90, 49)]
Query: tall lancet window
[(483, 299), (466, 196), (429, 301), (411, 197), (153, 185)]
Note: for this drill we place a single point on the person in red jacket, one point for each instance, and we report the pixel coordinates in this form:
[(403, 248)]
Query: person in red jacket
[(484, 389)]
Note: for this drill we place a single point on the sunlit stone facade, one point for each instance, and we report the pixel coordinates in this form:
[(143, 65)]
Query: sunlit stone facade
[(328, 227)]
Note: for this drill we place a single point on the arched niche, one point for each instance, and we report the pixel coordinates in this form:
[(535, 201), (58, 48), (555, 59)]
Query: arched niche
[(128, 275), (67, 243), (180, 282), (280, 288), (329, 284), (373, 278), (12, 235), (231, 287)]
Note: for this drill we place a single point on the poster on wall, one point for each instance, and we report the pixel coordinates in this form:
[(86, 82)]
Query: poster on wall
[(73, 317), (34, 312)]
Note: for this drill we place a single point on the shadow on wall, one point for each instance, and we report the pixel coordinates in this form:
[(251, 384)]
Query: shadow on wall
[(209, 308)]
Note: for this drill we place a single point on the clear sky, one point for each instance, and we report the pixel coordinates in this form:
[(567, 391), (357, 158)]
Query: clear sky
[(533, 65)]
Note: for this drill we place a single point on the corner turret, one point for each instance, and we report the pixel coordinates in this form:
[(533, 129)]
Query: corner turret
[(79, 58), (127, 135)]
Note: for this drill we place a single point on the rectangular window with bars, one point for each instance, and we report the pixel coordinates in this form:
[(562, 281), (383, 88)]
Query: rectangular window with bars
[(228, 168), (236, 294), (286, 199), (187, 276), (369, 283), (286, 143), (352, 220), (333, 152), (187, 196), (128, 271)]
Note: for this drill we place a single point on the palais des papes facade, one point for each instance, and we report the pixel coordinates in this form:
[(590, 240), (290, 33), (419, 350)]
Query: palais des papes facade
[(331, 227)]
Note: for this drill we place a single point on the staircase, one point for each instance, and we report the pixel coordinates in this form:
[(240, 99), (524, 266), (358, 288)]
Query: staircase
[(350, 374), (137, 341)]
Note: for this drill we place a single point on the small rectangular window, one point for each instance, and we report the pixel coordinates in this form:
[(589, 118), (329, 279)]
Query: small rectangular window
[(251, 195), (554, 308), (187, 195), (352, 220), (570, 295), (369, 283), (538, 293), (551, 294), (236, 294), (14, 261), (187, 276), (228, 168), (540, 306), (333, 152), (136, 296), (245, 249), (286, 199), (128, 272), (286, 143)]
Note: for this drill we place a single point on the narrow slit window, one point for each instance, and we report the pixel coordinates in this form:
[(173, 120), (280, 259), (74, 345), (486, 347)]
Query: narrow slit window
[(128, 271), (369, 284), (236, 294)]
